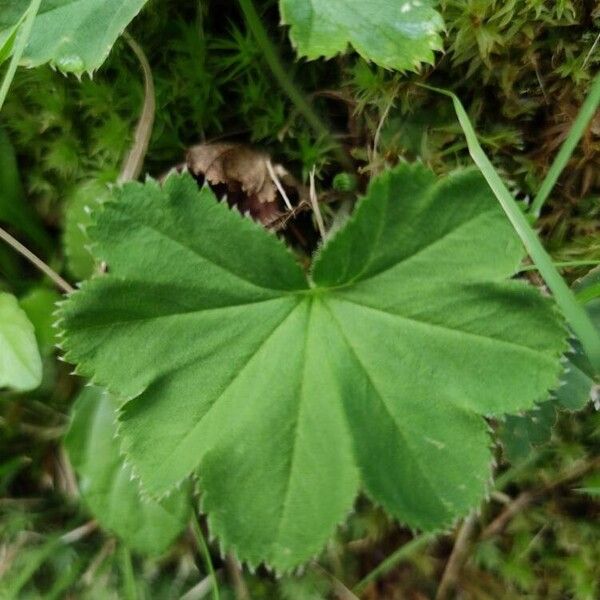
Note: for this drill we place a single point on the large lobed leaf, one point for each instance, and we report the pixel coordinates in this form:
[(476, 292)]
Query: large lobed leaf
[(289, 394), (73, 35), (107, 485), (396, 34)]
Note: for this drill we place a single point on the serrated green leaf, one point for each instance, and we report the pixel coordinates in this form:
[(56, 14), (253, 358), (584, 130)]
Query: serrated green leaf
[(75, 36), (85, 199), (519, 434), (581, 379), (39, 305), (286, 394), (20, 361), (396, 35), (107, 485)]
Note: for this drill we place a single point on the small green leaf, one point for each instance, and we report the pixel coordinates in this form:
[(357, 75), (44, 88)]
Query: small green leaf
[(39, 305), (73, 35), (20, 361), (107, 485), (286, 394), (76, 242), (396, 35)]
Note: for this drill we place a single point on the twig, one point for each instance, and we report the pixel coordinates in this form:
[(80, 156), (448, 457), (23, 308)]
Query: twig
[(65, 474), (79, 533), (340, 590), (237, 578), (503, 519), (132, 166), (275, 179), (200, 590), (457, 557), (314, 201), (382, 121), (37, 262), (107, 549), (526, 498), (589, 54)]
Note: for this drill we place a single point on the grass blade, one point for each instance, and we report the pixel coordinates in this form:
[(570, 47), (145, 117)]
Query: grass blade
[(22, 37), (585, 115), (573, 311)]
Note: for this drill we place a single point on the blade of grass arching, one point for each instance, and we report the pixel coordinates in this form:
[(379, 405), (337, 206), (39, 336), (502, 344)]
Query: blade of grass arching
[(585, 115), (574, 313), (405, 552), (127, 574), (22, 37), (204, 551), (7, 48)]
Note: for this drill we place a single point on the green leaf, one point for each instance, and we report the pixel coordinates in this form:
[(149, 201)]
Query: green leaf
[(287, 395), (75, 36), (396, 35), (76, 242), (107, 484), (581, 382), (13, 207), (519, 434), (20, 361), (39, 305)]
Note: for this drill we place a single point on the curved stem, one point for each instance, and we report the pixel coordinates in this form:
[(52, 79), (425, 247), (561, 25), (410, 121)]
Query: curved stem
[(66, 287), (132, 166), (205, 555), (281, 74)]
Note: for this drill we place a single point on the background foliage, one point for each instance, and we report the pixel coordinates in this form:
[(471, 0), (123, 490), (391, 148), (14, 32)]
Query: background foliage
[(522, 68)]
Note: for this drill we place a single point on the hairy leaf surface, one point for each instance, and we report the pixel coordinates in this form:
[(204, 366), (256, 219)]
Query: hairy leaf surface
[(579, 385), (289, 393), (20, 361), (107, 486), (396, 34), (73, 35)]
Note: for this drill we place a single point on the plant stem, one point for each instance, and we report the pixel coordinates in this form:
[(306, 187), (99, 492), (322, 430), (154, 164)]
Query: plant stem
[(37, 262), (22, 37), (281, 74), (457, 557), (205, 555), (403, 553), (575, 314), (129, 586), (132, 166), (585, 115)]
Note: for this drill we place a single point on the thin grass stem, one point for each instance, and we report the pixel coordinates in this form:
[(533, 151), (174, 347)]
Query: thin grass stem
[(585, 115), (575, 314), (22, 37)]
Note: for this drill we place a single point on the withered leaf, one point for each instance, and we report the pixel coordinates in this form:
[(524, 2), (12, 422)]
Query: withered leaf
[(248, 178)]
